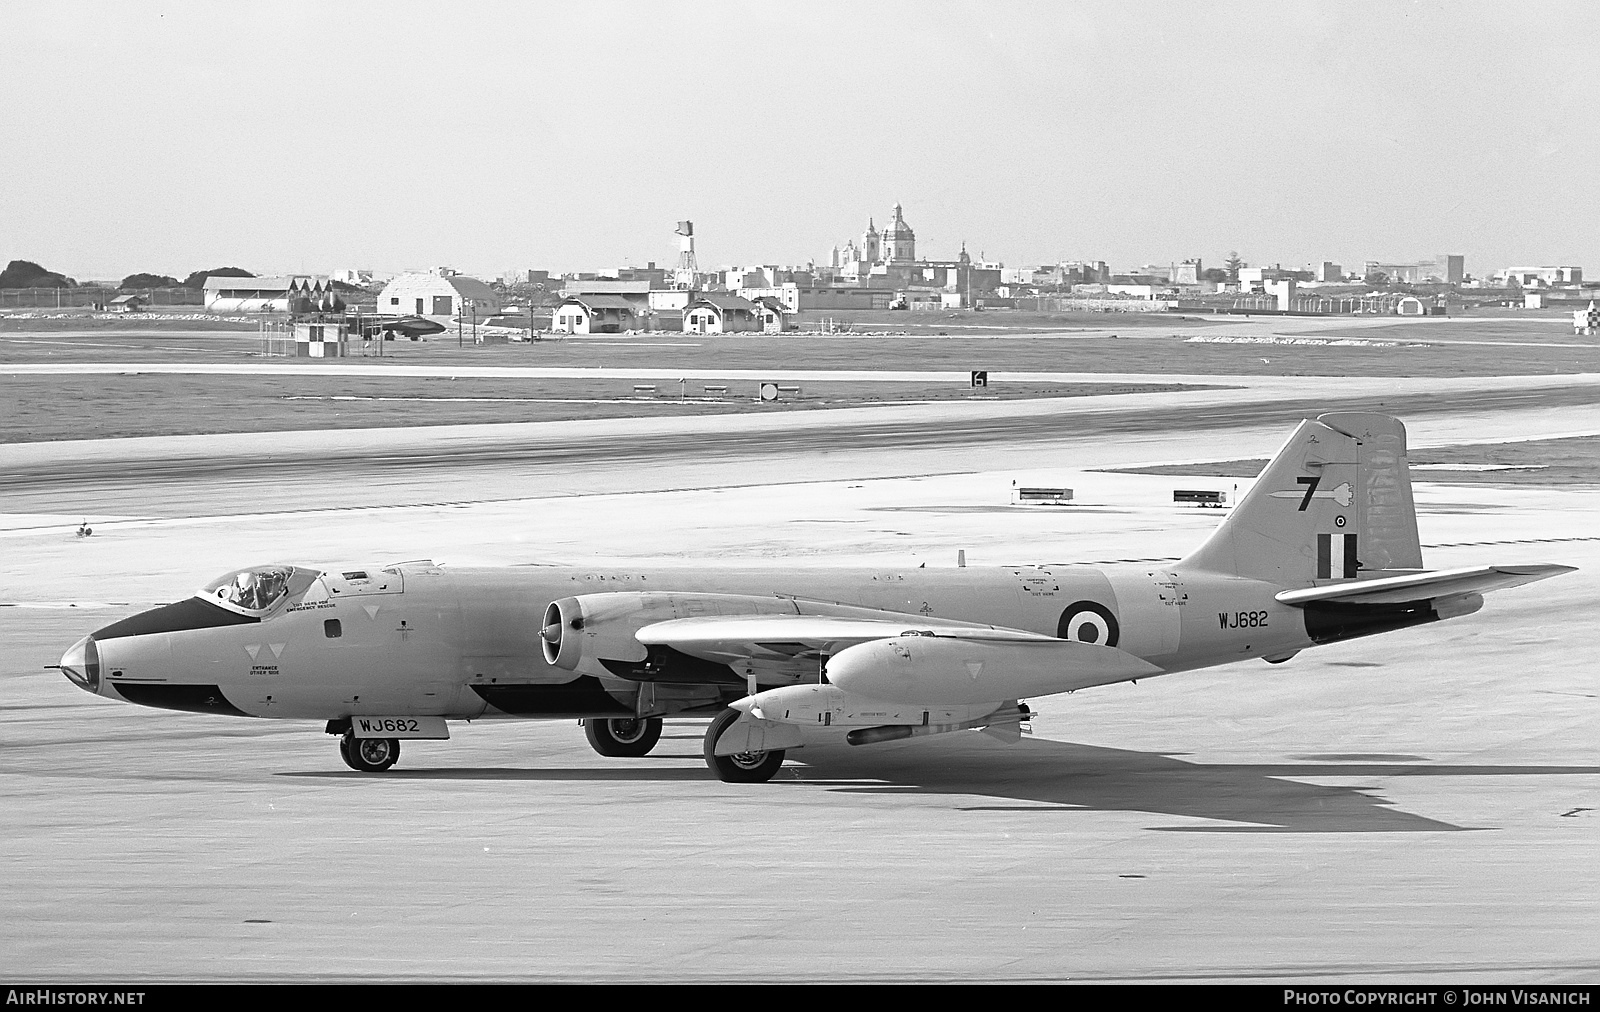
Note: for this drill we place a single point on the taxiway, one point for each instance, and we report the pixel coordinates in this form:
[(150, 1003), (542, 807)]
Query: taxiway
[(1419, 806)]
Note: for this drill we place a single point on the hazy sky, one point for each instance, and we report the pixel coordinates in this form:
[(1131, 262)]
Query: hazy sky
[(170, 137)]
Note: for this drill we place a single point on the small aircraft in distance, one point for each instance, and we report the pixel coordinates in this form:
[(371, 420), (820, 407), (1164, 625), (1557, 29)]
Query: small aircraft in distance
[(1323, 548), (398, 326), (412, 326)]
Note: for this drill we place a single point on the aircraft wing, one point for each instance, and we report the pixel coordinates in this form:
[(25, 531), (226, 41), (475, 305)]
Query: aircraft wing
[(906, 660), (1423, 586), (729, 639)]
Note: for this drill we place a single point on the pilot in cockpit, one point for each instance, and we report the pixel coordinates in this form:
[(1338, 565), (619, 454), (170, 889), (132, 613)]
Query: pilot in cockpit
[(244, 590), (271, 584), (256, 589)]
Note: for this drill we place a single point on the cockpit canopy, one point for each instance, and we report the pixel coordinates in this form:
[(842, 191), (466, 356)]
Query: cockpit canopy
[(258, 589)]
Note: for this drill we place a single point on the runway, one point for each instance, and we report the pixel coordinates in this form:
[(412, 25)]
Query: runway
[(1421, 806), (360, 466)]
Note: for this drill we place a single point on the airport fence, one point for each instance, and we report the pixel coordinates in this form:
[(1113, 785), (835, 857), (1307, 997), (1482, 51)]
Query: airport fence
[(1062, 304), (95, 298)]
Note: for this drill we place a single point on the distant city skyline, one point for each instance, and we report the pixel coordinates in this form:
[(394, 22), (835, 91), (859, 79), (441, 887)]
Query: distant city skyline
[(309, 137)]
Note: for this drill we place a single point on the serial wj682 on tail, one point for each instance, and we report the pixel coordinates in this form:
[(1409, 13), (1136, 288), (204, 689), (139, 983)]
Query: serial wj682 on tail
[(1323, 548)]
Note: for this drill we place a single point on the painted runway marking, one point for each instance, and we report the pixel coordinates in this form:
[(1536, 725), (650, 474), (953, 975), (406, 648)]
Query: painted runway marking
[(666, 401), (1511, 541)]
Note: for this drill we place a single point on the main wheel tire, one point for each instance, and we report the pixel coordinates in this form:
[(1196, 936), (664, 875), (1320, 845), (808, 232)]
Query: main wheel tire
[(743, 767), (624, 737), (369, 755)]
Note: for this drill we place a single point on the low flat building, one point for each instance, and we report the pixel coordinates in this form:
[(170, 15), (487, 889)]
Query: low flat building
[(1541, 277), (670, 300), (1282, 289), (722, 314), (299, 293), (787, 295), (598, 314), (606, 286), (843, 298), (772, 313), (1446, 268), (437, 295)]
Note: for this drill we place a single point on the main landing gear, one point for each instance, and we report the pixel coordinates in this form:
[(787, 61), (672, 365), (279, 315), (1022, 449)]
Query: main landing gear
[(741, 767), (368, 755), (624, 737)]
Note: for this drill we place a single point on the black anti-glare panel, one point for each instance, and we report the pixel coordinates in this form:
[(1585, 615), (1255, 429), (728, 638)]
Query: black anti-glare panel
[(190, 613)]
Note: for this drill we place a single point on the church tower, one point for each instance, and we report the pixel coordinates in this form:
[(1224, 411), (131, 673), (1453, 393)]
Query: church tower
[(869, 244), (899, 242)]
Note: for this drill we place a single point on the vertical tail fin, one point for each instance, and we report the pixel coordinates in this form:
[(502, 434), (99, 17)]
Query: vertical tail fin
[(1334, 502)]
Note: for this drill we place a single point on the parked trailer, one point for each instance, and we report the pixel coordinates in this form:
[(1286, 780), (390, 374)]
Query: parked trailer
[(1045, 496), (1200, 497)]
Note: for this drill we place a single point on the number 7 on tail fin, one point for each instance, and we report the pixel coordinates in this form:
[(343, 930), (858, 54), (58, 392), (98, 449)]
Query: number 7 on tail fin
[(1333, 503)]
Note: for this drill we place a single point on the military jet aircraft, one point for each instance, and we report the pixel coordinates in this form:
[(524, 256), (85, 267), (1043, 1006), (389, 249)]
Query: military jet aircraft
[(1323, 548), (389, 327)]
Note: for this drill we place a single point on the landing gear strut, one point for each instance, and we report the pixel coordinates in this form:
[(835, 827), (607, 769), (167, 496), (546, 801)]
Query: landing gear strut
[(624, 737), (368, 755), (742, 767)]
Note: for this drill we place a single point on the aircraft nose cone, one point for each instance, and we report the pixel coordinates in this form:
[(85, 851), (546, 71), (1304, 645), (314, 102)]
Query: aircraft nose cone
[(81, 663)]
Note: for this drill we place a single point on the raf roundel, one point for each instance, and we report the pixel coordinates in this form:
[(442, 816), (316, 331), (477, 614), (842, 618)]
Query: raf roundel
[(1088, 622)]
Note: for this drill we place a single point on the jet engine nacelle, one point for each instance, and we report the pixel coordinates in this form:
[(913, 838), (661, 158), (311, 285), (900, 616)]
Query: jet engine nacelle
[(951, 671), (579, 632)]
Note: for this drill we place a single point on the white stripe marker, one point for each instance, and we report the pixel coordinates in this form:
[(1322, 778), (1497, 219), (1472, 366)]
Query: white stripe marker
[(1344, 495)]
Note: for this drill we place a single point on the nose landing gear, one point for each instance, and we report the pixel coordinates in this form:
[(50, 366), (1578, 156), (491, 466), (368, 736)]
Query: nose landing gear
[(368, 755)]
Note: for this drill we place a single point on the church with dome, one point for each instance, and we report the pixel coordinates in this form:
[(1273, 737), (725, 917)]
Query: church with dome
[(896, 244), (888, 259)]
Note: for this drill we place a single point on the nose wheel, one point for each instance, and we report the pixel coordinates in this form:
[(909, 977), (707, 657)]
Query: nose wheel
[(626, 737), (369, 755)]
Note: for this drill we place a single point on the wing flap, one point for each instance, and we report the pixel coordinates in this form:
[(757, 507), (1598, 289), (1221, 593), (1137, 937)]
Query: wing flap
[(1423, 586)]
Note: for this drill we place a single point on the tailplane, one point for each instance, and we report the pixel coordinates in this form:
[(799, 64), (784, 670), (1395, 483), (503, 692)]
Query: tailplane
[(1334, 503)]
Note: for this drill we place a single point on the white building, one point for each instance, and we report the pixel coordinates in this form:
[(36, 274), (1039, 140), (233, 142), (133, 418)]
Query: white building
[(353, 276), (598, 314), (1283, 289), (787, 296), (772, 313), (285, 294), (437, 295), (725, 314), (1541, 277)]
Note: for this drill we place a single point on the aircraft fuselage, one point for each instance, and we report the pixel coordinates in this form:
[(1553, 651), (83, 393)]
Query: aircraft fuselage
[(465, 643)]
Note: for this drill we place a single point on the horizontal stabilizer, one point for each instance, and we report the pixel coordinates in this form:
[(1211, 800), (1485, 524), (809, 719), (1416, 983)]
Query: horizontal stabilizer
[(726, 639), (1423, 586)]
